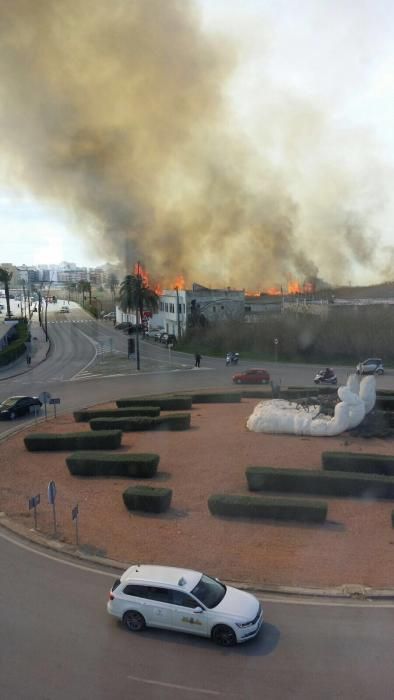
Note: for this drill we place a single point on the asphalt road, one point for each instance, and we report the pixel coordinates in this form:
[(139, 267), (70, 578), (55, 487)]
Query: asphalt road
[(58, 642)]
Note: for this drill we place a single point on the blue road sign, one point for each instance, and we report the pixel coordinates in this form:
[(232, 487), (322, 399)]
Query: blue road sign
[(34, 501), (54, 401), (74, 513)]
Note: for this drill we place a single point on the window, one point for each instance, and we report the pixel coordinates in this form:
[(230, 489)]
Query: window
[(248, 309), (214, 308), (166, 306), (154, 593), (181, 598)]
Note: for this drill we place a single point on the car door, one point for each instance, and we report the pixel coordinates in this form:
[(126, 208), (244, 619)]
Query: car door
[(183, 617), (158, 606)]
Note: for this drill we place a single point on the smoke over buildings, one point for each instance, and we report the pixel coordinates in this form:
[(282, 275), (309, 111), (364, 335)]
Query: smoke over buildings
[(117, 112)]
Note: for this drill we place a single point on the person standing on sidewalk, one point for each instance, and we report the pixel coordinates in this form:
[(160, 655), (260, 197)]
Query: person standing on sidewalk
[(198, 359), (28, 352)]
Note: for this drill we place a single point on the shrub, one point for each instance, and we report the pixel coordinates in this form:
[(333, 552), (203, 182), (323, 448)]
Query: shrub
[(356, 462), (165, 403), (51, 442), (16, 347), (319, 482), (256, 393), (179, 421), (222, 397), (87, 414), (244, 506), (140, 466), (147, 499)]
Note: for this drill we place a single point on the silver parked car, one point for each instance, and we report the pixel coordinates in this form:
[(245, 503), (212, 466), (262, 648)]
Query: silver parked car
[(373, 365)]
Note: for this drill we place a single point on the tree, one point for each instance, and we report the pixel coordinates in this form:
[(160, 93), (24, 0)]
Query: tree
[(135, 294), (113, 284), (5, 279), (85, 286)]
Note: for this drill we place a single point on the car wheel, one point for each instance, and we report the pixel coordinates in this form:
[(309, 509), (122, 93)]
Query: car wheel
[(12, 415), (224, 636), (134, 621), (379, 371)]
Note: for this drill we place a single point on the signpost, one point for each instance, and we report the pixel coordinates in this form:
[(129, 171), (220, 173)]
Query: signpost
[(54, 403), (44, 398), (33, 503), (74, 516), (51, 501)]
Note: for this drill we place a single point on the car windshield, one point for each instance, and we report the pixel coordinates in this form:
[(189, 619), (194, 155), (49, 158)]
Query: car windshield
[(209, 591), (10, 402)]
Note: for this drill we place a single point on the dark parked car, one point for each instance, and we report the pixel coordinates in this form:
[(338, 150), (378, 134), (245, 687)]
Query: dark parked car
[(252, 376), (168, 339), (18, 406)]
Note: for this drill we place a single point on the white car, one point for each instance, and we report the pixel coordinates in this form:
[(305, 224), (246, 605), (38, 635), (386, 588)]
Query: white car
[(184, 601), (64, 310)]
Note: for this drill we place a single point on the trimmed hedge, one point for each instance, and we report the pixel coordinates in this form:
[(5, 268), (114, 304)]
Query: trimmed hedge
[(165, 403), (385, 403), (256, 393), (179, 421), (16, 348), (356, 462), (223, 397), (147, 499), (294, 392), (319, 483), (140, 466), (89, 413), (51, 442), (241, 506)]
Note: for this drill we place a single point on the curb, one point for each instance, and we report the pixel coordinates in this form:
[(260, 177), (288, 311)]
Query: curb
[(349, 592)]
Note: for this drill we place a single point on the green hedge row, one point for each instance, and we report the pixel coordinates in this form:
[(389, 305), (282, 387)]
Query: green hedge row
[(385, 403), (51, 442), (256, 393), (319, 483), (222, 397), (294, 392), (16, 348), (140, 466), (147, 499), (89, 413), (179, 421), (356, 462), (165, 403), (244, 506)]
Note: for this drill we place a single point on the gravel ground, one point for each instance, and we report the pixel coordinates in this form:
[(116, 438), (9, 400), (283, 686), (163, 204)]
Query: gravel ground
[(355, 546)]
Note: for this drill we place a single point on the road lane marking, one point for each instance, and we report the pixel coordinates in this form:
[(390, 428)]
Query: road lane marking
[(174, 686)]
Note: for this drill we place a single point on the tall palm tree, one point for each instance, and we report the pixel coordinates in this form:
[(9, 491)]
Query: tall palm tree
[(134, 293), (113, 284), (5, 279), (85, 286)]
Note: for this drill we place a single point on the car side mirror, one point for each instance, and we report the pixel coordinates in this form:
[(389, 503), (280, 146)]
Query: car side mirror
[(198, 609)]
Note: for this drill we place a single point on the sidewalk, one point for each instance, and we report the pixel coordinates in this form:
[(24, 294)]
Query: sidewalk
[(40, 350)]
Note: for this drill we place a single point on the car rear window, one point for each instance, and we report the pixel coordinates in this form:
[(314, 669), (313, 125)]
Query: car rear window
[(116, 584)]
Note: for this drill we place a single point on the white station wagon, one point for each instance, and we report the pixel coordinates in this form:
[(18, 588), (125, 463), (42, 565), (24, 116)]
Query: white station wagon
[(185, 601)]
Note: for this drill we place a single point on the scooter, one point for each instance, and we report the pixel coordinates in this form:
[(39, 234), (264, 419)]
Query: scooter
[(232, 358), (323, 378)]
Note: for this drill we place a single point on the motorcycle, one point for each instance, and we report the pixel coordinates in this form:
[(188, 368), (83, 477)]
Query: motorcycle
[(232, 358), (322, 377)]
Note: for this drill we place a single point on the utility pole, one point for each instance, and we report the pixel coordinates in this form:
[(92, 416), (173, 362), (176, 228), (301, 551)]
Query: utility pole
[(137, 332), (177, 313)]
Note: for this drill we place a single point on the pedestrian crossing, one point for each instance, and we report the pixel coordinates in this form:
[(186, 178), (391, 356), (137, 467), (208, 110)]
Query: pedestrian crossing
[(75, 320)]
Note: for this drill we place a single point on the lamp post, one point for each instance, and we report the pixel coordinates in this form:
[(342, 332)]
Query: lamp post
[(137, 332)]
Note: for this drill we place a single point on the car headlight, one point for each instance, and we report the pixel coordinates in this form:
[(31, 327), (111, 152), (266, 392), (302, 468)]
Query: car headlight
[(244, 624)]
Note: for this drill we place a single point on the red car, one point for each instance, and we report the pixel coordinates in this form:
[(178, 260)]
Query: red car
[(252, 376)]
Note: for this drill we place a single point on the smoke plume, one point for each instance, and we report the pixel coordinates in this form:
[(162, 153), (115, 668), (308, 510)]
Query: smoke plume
[(116, 112)]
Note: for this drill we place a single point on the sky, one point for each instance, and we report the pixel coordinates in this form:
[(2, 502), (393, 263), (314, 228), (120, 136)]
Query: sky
[(307, 88)]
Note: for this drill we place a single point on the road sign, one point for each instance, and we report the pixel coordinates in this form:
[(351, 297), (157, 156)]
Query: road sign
[(34, 501), (74, 513), (54, 401), (51, 492), (44, 397)]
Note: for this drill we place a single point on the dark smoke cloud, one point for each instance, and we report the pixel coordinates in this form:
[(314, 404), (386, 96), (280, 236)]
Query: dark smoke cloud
[(115, 110)]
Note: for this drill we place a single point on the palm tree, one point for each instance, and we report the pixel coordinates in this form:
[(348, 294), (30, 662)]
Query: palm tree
[(85, 286), (113, 284), (5, 279), (135, 294)]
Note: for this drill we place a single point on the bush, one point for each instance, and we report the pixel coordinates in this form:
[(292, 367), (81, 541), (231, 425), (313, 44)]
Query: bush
[(87, 414), (319, 482), (51, 442), (241, 506), (256, 393), (16, 348), (165, 403), (222, 397), (179, 421), (356, 462), (140, 466), (147, 499)]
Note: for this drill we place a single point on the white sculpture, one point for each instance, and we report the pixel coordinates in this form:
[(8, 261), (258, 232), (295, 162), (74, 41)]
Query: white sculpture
[(279, 416)]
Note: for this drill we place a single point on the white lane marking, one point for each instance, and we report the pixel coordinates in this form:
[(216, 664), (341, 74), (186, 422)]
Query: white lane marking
[(135, 373), (95, 345), (175, 686), (33, 550)]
